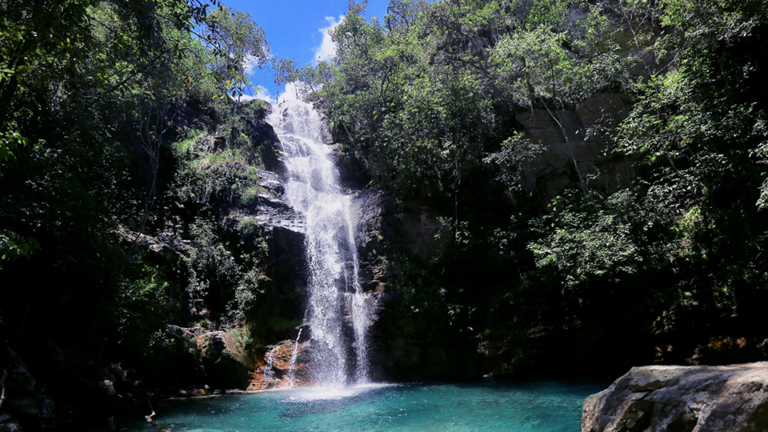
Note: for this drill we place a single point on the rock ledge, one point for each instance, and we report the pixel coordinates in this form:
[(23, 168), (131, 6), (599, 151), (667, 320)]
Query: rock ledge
[(682, 399)]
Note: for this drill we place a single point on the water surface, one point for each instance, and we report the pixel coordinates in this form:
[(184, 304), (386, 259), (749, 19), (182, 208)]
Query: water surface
[(541, 407)]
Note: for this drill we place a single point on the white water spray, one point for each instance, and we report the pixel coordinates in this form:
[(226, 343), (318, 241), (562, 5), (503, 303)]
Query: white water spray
[(339, 313), (292, 364), (269, 374)]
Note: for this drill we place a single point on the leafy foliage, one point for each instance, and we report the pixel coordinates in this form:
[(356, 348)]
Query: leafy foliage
[(237, 45), (113, 190), (428, 98)]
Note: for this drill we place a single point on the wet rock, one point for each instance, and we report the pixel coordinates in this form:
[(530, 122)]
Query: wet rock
[(274, 212), (284, 229), (325, 131), (280, 369), (270, 208), (200, 392), (270, 183), (682, 399), (289, 262), (108, 387)]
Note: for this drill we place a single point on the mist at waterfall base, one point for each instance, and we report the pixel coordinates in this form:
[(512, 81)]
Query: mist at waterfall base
[(540, 407)]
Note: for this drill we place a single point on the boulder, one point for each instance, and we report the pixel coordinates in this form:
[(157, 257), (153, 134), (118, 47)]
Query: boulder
[(682, 399)]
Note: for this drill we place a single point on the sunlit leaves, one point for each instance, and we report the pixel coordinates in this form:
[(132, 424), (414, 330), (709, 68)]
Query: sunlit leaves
[(515, 152), (584, 243), (237, 45), (13, 246), (9, 141), (540, 64)]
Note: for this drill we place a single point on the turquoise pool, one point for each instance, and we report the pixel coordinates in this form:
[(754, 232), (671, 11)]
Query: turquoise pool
[(540, 406)]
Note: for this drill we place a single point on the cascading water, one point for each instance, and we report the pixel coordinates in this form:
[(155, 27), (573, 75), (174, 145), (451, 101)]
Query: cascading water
[(338, 313), (292, 364), (269, 374)]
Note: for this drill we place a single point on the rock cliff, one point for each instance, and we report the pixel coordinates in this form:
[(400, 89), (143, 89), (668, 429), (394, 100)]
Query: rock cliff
[(574, 151)]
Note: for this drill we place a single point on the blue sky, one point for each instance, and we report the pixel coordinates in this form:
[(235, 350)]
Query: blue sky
[(294, 27)]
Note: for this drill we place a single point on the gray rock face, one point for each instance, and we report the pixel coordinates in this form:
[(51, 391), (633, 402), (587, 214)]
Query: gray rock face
[(366, 215), (682, 399), (265, 137), (271, 208), (574, 147)]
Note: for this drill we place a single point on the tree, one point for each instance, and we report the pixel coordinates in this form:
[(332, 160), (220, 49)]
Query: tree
[(238, 45), (284, 71)]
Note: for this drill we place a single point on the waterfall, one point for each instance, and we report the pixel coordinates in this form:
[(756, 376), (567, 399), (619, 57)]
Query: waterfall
[(269, 374), (338, 313), (292, 364)]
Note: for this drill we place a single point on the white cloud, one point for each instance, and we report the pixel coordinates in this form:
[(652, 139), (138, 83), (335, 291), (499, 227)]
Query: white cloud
[(291, 91), (250, 63), (294, 91), (262, 94), (327, 48)]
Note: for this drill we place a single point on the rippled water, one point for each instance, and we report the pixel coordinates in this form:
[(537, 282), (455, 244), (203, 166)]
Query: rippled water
[(541, 407)]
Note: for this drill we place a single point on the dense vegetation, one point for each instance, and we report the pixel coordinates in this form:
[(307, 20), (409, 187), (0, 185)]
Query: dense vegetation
[(436, 100), (128, 169), (129, 179)]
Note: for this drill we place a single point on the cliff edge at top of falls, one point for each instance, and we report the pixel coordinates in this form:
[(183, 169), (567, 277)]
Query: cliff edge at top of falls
[(682, 399)]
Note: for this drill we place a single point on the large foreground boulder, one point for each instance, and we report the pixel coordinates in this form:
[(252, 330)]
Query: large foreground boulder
[(682, 399)]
